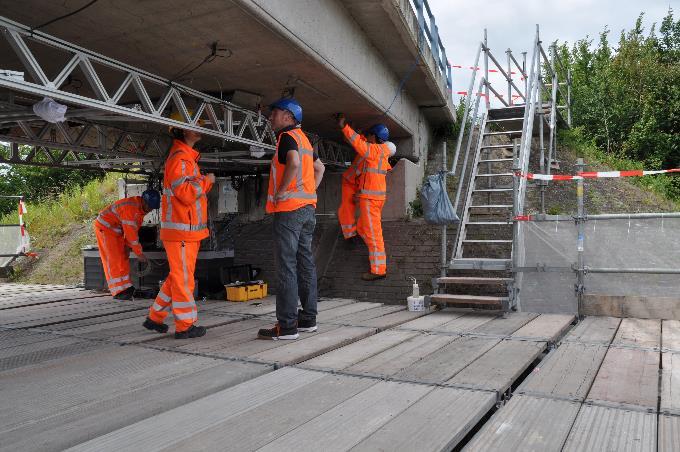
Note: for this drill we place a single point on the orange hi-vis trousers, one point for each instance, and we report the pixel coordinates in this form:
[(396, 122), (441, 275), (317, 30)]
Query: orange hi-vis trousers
[(177, 292), (347, 210), (114, 258), (370, 229)]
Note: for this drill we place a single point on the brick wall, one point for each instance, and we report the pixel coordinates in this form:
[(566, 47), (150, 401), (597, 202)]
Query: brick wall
[(413, 249)]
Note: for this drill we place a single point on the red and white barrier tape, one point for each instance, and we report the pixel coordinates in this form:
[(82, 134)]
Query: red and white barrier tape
[(596, 174), (22, 226)]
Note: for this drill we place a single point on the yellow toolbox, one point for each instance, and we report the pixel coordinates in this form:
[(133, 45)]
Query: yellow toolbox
[(246, 291)]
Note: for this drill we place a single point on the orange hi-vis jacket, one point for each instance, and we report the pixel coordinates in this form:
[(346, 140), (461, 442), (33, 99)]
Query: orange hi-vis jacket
[(124, 217), (373, 180), (184, 205), (352, 173), (302, 189)]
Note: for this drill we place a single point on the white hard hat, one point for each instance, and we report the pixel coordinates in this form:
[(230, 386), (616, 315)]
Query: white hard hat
[(392, 147)]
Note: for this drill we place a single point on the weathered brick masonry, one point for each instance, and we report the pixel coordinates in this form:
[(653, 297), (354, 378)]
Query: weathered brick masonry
[(413, 249)]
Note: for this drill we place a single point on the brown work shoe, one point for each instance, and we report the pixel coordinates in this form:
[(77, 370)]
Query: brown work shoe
[(372, 276)]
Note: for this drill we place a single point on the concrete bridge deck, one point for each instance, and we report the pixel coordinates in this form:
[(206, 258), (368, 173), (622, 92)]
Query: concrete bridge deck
[(77, 370)]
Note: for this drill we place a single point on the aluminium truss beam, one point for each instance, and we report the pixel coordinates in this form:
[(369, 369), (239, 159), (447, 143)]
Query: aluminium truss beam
[(223, 120)]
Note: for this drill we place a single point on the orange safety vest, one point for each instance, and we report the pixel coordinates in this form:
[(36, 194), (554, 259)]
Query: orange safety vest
[(352, 173), (373, 177), (184, 205), (302, 190), (124, 217)]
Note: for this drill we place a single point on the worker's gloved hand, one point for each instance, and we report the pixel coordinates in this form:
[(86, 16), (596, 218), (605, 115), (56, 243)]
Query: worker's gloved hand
[(210, 177), (340, 117), (142, 258)]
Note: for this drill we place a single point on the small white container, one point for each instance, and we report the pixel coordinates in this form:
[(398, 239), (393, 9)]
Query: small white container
[(416, 302)]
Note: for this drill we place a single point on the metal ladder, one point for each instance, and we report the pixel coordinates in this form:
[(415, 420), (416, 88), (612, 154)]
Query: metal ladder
[(484, 240)]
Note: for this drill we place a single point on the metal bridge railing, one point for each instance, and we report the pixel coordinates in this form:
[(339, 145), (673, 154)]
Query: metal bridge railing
[(428, 32)]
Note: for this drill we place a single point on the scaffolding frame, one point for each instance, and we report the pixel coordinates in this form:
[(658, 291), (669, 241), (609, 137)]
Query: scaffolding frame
[(105, 101)]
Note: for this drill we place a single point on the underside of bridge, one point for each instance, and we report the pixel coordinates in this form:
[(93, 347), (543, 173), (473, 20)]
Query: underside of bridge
[(124, 67)]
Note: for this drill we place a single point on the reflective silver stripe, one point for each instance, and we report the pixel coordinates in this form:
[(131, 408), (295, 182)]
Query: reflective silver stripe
[(297, 195), (275, 185), (348, 226), (199, 189), (104, 257), (199, 212), (304, 151), (353, 138), (134, 243), (376, 253), (164, 297), (177, 182), (183, 304), (128, 222), (183, 226), (119, 289), (186, 274), (115, 280), (370, 227), (118, 231), (372, 192), (156, 307), (168, 203), (185, 316), (378, 262), (125, 203), (375, 171)]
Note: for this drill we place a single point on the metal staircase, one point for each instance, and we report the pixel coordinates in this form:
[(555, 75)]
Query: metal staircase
[(486, 245)]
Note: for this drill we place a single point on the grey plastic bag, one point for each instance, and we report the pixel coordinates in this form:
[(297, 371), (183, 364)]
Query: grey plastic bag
[(436, 203)]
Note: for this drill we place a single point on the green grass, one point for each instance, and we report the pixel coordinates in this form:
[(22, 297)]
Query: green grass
[(49, 221), (663, 184)]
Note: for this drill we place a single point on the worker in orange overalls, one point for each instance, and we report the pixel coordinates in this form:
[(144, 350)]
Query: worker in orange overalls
[(350, 185), (184, 223), (116, 229), (371, 191)]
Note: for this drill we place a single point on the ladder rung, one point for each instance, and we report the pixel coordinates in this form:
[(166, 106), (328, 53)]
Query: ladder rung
[(494, 175), (486, 223), (521, 118), (495, 160), (487, 241), (472, 280), (495, 190), (492, 206), (468, 299), (507, 132)]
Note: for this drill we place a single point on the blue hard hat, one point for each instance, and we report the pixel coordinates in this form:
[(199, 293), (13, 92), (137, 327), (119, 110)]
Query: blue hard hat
[(380, 131), (289, 104), (152, 198)]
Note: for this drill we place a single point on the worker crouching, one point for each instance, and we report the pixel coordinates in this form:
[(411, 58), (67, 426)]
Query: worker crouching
[(184, 223), (117, 228)]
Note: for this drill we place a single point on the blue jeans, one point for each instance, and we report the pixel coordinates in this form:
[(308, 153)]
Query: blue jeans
[(293, 233)]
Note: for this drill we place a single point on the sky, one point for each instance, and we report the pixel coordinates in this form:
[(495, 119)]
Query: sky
[(512, 24)]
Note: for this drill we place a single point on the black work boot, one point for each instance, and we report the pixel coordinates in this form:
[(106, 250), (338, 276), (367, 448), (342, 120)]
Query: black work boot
[(153, 326), (125, 295), (305, 324), (192, 332), (277, 333)]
